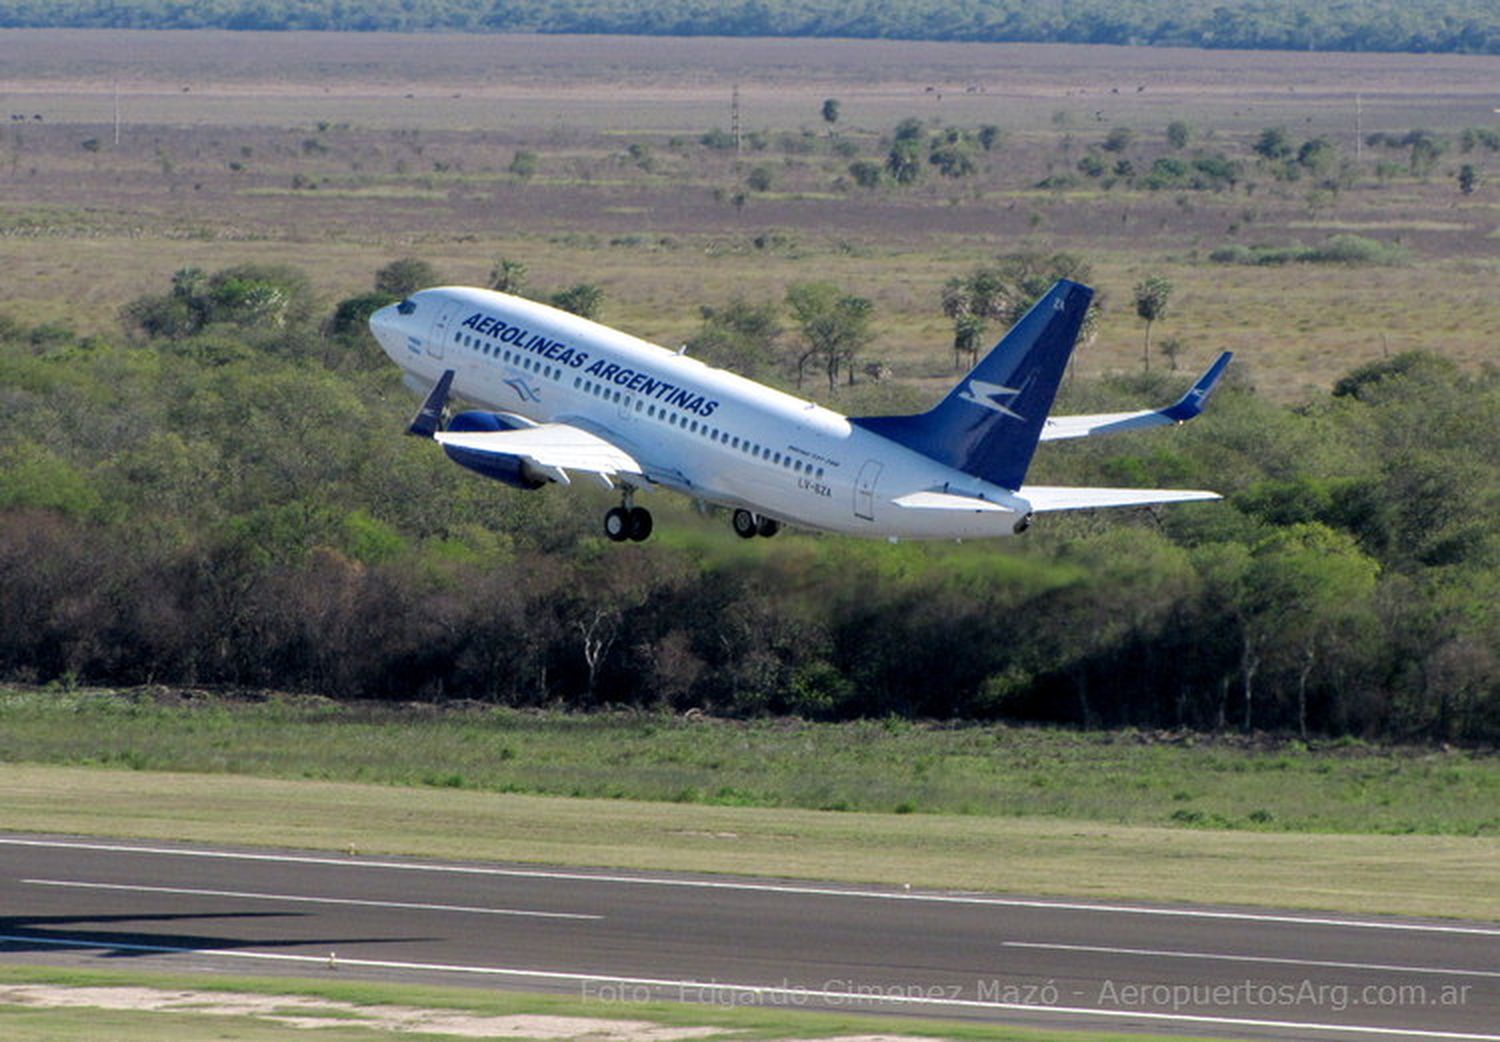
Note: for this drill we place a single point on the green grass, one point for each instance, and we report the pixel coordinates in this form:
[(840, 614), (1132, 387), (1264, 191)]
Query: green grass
[(23, 1024), (884, 767), (1351, 828)]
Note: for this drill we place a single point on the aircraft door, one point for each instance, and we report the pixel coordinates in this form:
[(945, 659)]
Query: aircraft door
[(437, 336), (864, 490)]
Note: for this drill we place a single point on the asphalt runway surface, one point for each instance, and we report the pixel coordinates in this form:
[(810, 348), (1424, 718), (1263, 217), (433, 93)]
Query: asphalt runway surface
[(606, 936)]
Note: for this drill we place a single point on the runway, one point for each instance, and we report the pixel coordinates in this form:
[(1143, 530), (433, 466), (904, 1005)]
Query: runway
[(602, 935)]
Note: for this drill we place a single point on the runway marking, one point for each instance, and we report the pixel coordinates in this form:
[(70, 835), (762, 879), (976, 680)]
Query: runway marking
[(709, 989), (773, 888), (411, 905), (1277, 960)]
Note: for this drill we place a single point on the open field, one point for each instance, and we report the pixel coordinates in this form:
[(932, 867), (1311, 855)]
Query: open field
[(495, 82), (1410, 874), (976, 808), (337, 153), (1413, 875), (57, 1005), (891, 767)]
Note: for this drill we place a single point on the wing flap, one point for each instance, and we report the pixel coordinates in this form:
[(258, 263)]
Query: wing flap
[(552, 448)]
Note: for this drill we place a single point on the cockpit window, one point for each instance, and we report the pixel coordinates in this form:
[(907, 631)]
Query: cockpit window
[(406, 307)]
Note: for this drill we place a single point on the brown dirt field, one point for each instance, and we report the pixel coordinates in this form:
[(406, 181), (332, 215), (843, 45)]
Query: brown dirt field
[(669, 83), (338, 152)]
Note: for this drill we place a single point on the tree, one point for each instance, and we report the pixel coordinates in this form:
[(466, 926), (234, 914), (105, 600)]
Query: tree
[(271, 296), (904, 161), (971, 301), (1171, 349), (584, 299), (1317, 156), (1468, 179), (952, 154), (830, 112), (1311, 590), (1426, 148), (909, 129), (834, 326), (759, 178), (1118, 139), (1179, 134), (524, 164), (740, 336), (866, 174), (1026, 275), (403, 277), (1273, 143), (991, 137), (508, 276), (352, 315), (1151, 296)]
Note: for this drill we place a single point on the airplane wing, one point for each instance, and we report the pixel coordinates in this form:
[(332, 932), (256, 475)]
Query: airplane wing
[(552, 449), (1045, 498), (1185, 408)]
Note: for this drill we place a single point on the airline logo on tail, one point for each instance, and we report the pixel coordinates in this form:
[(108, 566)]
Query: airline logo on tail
[(982, 392)]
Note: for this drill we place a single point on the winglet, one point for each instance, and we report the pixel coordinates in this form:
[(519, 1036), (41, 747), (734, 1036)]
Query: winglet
[(1191, 404), (430, 416)]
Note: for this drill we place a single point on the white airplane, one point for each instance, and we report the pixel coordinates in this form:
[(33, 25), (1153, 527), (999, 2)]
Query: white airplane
[(563, 397)]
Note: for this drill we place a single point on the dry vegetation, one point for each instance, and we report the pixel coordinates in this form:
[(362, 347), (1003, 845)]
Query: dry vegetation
[(335, 152)]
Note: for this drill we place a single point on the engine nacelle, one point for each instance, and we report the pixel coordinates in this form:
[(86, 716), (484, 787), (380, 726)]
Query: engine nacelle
[(510, 470)]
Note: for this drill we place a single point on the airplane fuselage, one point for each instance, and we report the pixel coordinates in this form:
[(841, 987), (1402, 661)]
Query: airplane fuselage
[(708, 433)]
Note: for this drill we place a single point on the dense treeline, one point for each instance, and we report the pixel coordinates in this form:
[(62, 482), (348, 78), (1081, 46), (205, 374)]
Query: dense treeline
[(1355, 25), (222, 497)]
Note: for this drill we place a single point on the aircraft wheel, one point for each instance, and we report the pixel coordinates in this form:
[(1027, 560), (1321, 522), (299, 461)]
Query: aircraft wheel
[(744, 524), (617, 524), (767, 527), (640, 524)]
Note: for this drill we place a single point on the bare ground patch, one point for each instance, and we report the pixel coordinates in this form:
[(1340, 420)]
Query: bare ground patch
[(307, 1013)]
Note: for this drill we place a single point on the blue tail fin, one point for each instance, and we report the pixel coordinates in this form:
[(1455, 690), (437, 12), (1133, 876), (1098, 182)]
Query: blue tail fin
[(990, 423)]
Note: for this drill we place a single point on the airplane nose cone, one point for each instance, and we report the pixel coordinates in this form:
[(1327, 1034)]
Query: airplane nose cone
[(380, 319), (383, 324)]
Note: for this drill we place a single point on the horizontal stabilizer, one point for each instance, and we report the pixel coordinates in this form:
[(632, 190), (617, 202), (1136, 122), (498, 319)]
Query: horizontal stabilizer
[(1185, 408), (1059, 497)]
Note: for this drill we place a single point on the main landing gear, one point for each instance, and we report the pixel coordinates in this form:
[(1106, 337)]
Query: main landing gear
[(627, 521), (748, 525)]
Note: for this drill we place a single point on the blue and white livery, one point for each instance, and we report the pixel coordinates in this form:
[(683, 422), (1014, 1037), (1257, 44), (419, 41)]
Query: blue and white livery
[(561, 397)]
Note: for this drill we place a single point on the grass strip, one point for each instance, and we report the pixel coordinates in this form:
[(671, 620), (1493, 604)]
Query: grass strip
[(1192, 781), (1416, 875), (31, 1024)]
